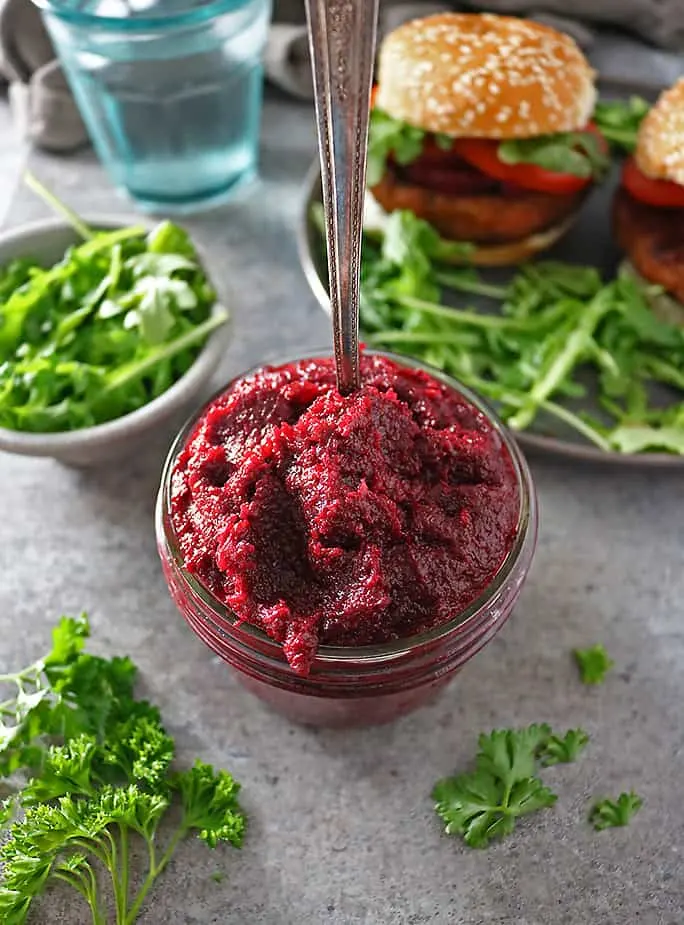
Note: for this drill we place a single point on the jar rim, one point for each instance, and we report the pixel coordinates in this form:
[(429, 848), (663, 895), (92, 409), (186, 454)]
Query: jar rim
[(331, 656), (190, 17)]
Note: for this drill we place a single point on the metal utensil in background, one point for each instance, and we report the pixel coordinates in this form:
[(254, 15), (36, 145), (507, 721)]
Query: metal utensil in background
[(342, 36)]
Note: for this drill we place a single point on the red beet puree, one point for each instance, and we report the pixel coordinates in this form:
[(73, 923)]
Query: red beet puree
[(343, 521)]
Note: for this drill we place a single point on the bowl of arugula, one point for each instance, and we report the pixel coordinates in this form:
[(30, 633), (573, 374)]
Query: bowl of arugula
[(107, 331)]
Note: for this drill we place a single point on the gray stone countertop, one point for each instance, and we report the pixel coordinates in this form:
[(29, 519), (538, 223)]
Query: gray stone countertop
[(341, 825)]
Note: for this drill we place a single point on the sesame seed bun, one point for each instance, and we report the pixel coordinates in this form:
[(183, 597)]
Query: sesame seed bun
[(484, 76), (660, 143)]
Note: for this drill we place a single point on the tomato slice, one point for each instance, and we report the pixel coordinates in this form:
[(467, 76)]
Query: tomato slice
[(435, 163), (661, 193), (483, 154)]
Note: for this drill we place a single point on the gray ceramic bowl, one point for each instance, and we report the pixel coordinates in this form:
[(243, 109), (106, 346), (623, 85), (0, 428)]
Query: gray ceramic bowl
[(47, 241)]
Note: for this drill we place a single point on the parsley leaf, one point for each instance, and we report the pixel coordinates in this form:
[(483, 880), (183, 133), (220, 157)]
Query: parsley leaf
[(594, 663), (576, 153), (98, 763), (36, 707), (619, 121), (511, 754), (563, 749), (139, 749), (67, 769), (478, 808), (156, 294), (484, 804), (606, 814), (390, 137)]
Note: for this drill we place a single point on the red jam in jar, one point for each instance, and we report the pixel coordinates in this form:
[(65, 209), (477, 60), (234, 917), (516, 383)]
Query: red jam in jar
[(343, 521)]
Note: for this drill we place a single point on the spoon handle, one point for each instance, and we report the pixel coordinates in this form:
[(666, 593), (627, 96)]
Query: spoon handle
[(342, 40)]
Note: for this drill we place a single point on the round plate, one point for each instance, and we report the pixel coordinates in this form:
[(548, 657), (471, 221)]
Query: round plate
[(589, 241)]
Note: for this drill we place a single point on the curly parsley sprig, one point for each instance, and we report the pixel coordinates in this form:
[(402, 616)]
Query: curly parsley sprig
[(99, 773)]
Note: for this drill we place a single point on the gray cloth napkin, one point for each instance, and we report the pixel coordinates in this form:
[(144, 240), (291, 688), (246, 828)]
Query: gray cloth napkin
[(45, 113)]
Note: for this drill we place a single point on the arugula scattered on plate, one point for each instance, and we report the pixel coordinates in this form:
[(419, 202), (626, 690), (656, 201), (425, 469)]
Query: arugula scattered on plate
[(562, 342), (97, 785), (104, 331)]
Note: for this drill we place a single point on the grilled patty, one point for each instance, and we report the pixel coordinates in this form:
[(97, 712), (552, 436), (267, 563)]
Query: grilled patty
[(653, 240), (498, 215)]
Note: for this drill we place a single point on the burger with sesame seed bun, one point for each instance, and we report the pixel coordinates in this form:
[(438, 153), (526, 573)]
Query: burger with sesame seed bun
[(648, 213), (481, 126)]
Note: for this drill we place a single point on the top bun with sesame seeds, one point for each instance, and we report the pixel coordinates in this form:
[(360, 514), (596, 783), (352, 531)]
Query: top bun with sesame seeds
[(648, 208), (486, 76), (660, 144)]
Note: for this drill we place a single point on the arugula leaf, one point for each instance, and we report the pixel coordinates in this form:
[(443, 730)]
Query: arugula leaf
[(619, 121), (607, 813), (156, 294), (594, 663), (633, 438), (408, 238), (390, 137), (563, 749), (576, 153), (61, 208), (561, 360), (167, 238), (484, 804), (98, 762)]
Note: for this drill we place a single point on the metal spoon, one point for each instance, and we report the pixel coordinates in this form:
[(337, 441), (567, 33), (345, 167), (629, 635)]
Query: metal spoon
[(342, 42)]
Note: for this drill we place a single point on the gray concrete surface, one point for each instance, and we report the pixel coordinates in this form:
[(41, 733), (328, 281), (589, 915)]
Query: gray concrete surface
[(341, 826)]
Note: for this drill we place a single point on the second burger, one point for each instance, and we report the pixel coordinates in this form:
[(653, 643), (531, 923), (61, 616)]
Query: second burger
[(481, 126)]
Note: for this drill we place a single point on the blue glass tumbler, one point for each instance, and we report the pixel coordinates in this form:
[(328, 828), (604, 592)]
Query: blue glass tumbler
[(170, 92)]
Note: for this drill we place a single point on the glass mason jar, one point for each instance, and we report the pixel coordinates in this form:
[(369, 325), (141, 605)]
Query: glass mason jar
[(170, 92), (353, 686)]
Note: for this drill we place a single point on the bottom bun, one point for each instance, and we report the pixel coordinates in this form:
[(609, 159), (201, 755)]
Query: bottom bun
[(509, 253), (515, 252)]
